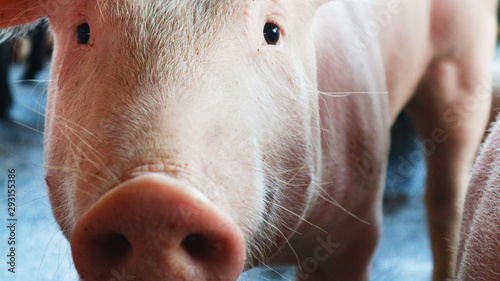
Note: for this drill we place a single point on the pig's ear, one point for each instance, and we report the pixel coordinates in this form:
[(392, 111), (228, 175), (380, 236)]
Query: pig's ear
[(17, 12)]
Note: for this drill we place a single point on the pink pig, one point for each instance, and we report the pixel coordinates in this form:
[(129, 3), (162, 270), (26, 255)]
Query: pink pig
[(192, 140), (478, 255)]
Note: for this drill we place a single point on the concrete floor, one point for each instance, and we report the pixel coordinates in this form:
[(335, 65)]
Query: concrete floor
[(43, 254)]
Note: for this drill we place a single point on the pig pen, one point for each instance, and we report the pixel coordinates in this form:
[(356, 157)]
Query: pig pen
[(42, 253)]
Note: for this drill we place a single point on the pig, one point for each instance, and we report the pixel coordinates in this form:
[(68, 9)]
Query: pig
[(193, 140), (478, 257)]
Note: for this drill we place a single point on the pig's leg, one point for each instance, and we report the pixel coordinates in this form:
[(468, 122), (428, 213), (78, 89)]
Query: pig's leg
[(5, 95), (450, 111)]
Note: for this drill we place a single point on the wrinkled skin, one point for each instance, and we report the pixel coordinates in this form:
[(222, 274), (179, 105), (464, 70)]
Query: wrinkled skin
[(183, 105)]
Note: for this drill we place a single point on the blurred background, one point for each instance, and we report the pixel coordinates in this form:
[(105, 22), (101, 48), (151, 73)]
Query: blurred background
[(44, 254)]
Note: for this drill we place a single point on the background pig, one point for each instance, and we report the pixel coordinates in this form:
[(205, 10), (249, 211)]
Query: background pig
[(479, 243), (188, 140)]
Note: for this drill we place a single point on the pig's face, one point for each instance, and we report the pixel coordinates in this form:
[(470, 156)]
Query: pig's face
[(194, 91)]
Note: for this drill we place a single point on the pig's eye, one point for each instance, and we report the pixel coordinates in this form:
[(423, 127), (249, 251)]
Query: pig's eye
[(271, 33), (83, 33)]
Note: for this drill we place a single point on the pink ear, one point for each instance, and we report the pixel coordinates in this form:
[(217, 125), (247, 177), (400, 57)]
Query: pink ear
[(16, 12)]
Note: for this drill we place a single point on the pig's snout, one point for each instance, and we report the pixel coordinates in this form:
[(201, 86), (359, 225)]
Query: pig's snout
[(151, 228)]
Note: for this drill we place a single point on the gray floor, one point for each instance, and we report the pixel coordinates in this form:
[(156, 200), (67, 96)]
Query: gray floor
[(43, 254)]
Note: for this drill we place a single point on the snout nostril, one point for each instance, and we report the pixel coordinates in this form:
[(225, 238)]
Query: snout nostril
[(115, 247), (198, 246), (137, 230)]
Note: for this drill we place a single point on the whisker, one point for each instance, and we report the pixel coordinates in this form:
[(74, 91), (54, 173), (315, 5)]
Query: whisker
[(97, 164), (78, 169), (89, 133), (18, 158), (324, 131), (45, 253), (300, 217), (288, 242), (26, 126), (275, 271), (60, 262), (35, 110), (347, 93), (285, 225), (337, 204)]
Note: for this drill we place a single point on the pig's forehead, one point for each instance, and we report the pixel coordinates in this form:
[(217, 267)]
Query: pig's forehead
[(193, 10), (173, 18), (184, 37)]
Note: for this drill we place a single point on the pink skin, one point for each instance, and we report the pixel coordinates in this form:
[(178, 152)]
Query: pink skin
[(478, 257), (178, 120)]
